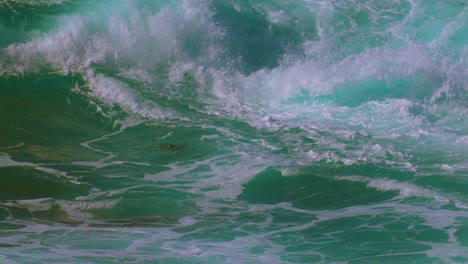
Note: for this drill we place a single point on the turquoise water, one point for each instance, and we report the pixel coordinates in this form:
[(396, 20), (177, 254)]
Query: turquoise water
[(198, 131)]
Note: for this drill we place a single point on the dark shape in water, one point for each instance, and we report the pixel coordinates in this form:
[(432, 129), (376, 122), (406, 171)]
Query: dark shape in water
[(148, 221), (173, 146)]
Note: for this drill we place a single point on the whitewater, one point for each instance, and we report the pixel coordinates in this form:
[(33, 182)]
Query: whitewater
[(237, 131)]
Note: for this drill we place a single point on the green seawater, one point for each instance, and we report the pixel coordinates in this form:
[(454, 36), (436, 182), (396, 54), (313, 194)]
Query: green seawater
[(240, 131)]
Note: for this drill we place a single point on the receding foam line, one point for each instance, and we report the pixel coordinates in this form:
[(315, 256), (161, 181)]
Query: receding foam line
[(6, 161)]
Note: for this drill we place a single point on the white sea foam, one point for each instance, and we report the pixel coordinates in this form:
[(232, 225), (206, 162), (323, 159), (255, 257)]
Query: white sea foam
[(463, 140), (83, 42), (405, 189), (112, 49), (78, 210), (36, 2), (112, 92)]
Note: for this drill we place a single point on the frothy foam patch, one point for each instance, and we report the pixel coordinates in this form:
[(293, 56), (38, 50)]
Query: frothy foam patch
[(67, 51), (405, 189), (113, 92), (44, 204), (137, 47), (73, 211), (294, 77), (86, 41), (81, 42), (463, 140)]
